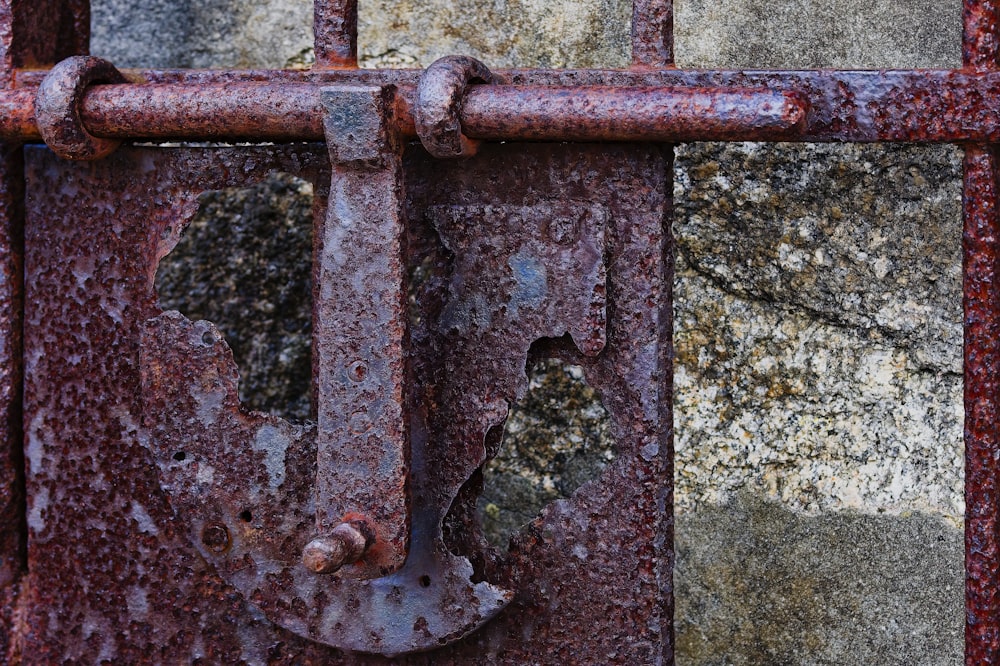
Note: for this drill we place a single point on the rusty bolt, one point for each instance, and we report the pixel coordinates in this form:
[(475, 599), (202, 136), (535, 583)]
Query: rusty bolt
[(344, 545), (216, 537), (358, 371)]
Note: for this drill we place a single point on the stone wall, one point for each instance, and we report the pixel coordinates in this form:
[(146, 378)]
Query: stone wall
[(818, 376)]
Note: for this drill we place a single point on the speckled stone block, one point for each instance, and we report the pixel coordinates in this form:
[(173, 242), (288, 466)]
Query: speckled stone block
[(517, 33), (818, 389), (788, 34)]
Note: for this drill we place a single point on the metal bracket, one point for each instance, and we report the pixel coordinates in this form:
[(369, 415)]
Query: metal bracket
[(389, 464), (385, 599)]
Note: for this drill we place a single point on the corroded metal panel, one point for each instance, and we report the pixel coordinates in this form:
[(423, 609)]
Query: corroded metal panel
[(12, 529), (112, 571), (556, 250), (32, 34)]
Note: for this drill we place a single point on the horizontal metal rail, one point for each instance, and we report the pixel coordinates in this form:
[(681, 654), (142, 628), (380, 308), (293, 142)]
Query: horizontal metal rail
[(631, 105), (292, 112)]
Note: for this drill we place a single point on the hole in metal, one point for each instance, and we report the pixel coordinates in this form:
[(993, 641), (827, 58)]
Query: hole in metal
[(245, 263), (555, 439), (180, 456), (246, 516)]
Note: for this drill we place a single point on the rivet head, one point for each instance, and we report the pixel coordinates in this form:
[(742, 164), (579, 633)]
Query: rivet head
[(215, 536), (345, 544), (358, 371)]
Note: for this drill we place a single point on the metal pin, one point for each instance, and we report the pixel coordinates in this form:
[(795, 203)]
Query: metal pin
[(344, 545)]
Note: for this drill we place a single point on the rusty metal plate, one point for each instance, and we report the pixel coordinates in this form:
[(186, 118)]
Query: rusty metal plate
[(112, 572), (547, 240), (583, 595), (12, 527), (517, 264)]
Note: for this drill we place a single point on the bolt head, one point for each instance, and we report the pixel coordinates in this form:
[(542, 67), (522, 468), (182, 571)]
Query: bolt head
[(326, 554), (215, 536)]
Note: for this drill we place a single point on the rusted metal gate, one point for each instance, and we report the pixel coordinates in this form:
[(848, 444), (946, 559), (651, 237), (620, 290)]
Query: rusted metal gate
[(148, 518)]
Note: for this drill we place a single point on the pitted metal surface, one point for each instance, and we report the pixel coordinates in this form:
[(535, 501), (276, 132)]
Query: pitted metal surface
[(530, 252), (208, 506), (255, 476), (96, 500), (519, 271)]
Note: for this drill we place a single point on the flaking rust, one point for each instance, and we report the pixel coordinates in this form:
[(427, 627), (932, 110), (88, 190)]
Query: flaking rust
[(178, 512), (206, 507)]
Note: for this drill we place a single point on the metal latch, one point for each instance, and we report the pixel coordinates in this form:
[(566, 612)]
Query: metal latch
[(125, 405), (357, 531)]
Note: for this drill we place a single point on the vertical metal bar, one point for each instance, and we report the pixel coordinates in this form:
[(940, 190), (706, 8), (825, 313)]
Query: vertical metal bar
[(653, 46), (982, 405), (981, 34), (33, 33), (981, 302), (360, 329), (335, 33), (652, 33)]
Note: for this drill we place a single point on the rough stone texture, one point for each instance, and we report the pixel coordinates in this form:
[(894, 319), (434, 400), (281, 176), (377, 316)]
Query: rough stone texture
[(243, 263), (818, 334), (542, 33), (758, 585), (817, 33), (201, 33)]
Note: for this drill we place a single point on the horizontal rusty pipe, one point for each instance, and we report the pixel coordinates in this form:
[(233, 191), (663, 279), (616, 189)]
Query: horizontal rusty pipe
[(630, 114), (258, 111), (662, 105), (289, 111), (17, 116)]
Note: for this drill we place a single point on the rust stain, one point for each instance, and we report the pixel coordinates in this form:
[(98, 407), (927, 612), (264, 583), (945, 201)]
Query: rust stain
[(224, 525), (185, 516)]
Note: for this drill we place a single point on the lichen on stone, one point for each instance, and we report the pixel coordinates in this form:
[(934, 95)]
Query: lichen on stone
[(555, 439)]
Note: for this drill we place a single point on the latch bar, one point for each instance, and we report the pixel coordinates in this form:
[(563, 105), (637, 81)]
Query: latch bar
[(637, 105), (360, 333)]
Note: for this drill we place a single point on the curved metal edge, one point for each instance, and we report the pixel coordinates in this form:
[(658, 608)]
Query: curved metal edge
[(244, 488), (57, 107), (439, 103)]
